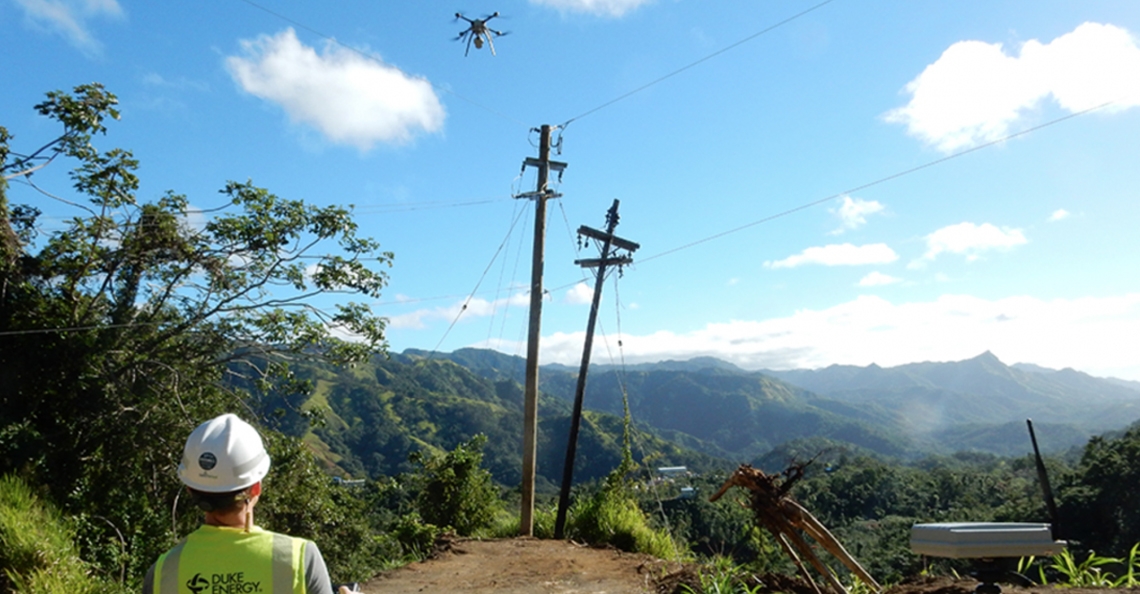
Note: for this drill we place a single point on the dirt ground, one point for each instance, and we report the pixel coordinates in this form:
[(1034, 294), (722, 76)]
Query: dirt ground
[(527, 565), (523, 565)]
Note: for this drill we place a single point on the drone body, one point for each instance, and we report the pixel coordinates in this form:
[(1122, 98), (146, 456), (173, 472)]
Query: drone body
[(478, 32)]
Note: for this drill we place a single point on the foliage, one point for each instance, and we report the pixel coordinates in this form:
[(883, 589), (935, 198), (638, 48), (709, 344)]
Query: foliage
[(455, 491), (612, 514), (1064, 570), (1099, 500), (118, 329), (415, 536), (37, 550), (721, 576), (722, 529)]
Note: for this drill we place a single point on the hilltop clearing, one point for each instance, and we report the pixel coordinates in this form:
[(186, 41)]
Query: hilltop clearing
[(529, 565), (524, 566)]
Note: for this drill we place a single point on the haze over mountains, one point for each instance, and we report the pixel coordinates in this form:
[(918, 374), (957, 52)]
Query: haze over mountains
[(714, 406), (703, 413)]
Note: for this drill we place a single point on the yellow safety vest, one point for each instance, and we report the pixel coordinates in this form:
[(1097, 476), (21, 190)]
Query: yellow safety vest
[(220, 560)]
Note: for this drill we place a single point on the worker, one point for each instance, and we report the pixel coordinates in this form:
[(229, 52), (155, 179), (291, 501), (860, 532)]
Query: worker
[(222, 467)]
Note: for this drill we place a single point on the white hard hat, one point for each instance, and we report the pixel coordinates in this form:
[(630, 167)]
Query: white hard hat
[(223, 454)]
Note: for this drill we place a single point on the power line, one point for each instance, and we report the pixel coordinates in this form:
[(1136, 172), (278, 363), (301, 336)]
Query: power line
[(722, 233), (702, 60), (881, 180), (480, 281)]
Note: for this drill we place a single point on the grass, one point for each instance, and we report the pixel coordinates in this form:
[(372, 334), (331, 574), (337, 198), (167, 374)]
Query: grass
[(37, 549)]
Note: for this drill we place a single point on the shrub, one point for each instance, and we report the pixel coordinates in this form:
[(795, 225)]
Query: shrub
[(455, 491), (612, 516)]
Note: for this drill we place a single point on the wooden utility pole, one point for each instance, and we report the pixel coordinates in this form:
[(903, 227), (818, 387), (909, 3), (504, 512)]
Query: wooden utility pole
[(530, 405), (608, 240)]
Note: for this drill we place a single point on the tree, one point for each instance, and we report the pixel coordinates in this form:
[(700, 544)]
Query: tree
[(1098, 507), (116, 331)]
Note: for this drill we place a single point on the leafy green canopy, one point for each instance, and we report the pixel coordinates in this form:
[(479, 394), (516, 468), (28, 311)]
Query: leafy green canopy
[(116, 330)]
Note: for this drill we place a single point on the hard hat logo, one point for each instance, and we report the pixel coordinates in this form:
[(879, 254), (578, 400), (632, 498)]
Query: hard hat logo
[(207, 461)]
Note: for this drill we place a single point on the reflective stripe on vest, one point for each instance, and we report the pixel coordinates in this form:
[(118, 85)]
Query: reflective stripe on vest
[(219, 561)]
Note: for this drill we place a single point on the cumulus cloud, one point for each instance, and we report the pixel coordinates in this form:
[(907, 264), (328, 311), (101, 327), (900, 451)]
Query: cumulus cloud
[(579, 294), (70, 18), (878, 279), (610, 8), (844, 254), (976, 91), (348, 98), (970, 240), (853, 213), (474, 308), (1082, 333), (1059, 214)]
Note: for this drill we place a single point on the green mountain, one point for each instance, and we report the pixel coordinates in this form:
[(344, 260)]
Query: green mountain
[(373, 416), (702, 413), (707, 404), (910, 410)]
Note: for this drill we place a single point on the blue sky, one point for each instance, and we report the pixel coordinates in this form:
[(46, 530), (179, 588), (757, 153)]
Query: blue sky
[(794, 172)]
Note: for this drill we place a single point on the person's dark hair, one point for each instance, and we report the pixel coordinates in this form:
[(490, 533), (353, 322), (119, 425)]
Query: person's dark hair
[(219, 502)]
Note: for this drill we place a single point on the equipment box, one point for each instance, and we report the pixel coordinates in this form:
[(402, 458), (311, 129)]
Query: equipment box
[(984, 540)]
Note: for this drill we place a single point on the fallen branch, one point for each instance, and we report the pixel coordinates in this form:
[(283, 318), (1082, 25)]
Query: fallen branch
[(775, 510)]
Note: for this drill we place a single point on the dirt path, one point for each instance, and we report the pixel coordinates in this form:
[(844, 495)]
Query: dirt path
[(524, 565), (527, 566)]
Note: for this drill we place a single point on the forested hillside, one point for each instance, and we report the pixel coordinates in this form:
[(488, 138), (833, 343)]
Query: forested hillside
[(925, 408), (371, 417)]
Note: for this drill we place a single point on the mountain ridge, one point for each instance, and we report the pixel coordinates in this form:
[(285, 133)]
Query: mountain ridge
[(928, 406)]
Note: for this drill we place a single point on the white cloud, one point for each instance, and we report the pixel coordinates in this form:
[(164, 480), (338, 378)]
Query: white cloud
[(970, 240), (347, 97), (853, 213), (610, 8), (70, 18), (1059, 214), (1084, 333), (975, 91), (878, 279), (475, 308), (844, 254), (579, 294)]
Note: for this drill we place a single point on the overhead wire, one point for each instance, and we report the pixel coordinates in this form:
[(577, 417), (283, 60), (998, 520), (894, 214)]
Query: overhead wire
[(879, 181), (781, 214), (498, 291), (634, 434), (474, 291), (651, 83)]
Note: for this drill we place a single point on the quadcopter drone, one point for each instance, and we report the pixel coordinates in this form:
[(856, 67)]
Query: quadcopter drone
[(478, 32)]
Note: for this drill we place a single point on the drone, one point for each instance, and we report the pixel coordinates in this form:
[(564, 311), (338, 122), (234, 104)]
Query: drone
[(478, 32)]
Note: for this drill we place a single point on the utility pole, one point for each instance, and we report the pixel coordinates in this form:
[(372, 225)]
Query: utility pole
[(530, 399), (608, 240)]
